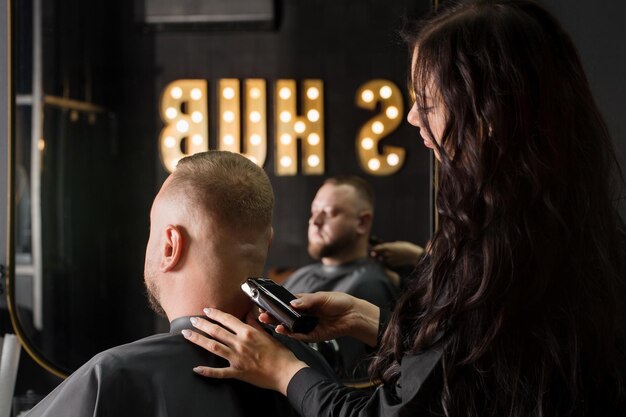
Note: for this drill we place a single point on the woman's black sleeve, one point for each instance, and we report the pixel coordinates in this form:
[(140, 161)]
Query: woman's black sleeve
[(314, 395)]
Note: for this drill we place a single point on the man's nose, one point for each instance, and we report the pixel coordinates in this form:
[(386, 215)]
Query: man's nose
[(317, 219)]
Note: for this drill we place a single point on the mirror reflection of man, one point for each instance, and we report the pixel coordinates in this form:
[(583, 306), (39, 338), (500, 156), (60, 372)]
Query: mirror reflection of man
[(210, 230), (339, 228)]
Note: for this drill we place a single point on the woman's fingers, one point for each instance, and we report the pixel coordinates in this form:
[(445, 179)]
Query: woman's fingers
[(211, 345), (381, 249), (252, 354), (221, 373), (232, 354), (266, 318), (213, 330), (227, 320), (252, 321), (308, 300)]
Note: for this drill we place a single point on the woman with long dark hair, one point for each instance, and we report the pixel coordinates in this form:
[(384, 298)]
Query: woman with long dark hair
[(519, 306)]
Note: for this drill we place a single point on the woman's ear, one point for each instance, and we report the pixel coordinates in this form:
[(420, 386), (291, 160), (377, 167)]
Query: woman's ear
[(172, 248)]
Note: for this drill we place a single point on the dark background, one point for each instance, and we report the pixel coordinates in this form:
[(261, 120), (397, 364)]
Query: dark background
[(97, 211)]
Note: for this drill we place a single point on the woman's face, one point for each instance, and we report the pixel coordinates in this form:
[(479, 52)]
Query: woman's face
[(434, 112)]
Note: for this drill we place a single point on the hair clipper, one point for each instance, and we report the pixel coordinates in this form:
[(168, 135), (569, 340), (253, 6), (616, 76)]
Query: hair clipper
[(275, 299)]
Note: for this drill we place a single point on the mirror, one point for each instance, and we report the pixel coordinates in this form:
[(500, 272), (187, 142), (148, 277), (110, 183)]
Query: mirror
[(90, 150), (81, 195)]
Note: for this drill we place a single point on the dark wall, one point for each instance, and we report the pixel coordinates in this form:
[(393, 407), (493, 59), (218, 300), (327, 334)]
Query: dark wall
[(599, 31)]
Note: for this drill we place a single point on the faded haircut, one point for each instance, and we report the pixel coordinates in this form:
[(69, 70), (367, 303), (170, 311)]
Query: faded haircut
[(228, 187), (363, 189)]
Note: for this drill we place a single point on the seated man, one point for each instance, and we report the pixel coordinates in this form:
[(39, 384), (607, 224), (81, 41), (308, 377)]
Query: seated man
[(341, 218), (210, 230)]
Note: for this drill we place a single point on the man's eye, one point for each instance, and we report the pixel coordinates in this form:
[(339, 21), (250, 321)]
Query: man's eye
[(332, 213)]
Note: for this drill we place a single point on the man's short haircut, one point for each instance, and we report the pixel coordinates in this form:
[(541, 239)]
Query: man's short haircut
[(231, 188), (364, 190)]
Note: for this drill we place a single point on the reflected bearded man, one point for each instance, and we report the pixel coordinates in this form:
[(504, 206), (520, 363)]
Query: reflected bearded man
[(341, 219)]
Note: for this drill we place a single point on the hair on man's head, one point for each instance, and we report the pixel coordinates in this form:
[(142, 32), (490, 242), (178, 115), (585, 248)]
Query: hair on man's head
[(228, 186), (364, 190)]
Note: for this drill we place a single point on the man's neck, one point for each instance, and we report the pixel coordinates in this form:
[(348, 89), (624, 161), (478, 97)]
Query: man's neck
[(240, 312), (342, 260), (350, 254), (192, 300)]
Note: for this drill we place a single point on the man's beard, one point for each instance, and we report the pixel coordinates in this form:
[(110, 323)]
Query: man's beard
[(153, 299), (327, 250)]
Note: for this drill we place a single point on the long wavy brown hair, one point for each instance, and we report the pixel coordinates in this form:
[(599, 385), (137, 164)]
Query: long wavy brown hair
[(524, 284)]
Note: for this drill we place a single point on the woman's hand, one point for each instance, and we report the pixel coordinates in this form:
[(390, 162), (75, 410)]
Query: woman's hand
[(398, 253), (339, 314), (254, 356)]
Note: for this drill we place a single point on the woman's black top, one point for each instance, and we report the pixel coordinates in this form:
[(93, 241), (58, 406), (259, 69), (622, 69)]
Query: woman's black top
[(416, 393)]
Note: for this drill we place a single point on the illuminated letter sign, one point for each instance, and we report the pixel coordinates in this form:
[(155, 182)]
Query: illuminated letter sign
[(255, 117), (368, 96), (184, 112), (308, 127)]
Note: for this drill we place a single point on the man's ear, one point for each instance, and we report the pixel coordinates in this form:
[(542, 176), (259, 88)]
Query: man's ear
[(365, 222), (173, 248)]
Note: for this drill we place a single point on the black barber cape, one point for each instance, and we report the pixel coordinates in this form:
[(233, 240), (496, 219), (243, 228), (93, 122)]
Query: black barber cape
[(153, 377)]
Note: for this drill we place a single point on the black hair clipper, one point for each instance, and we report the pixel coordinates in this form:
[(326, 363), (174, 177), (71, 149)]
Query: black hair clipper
[(275, 299)]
